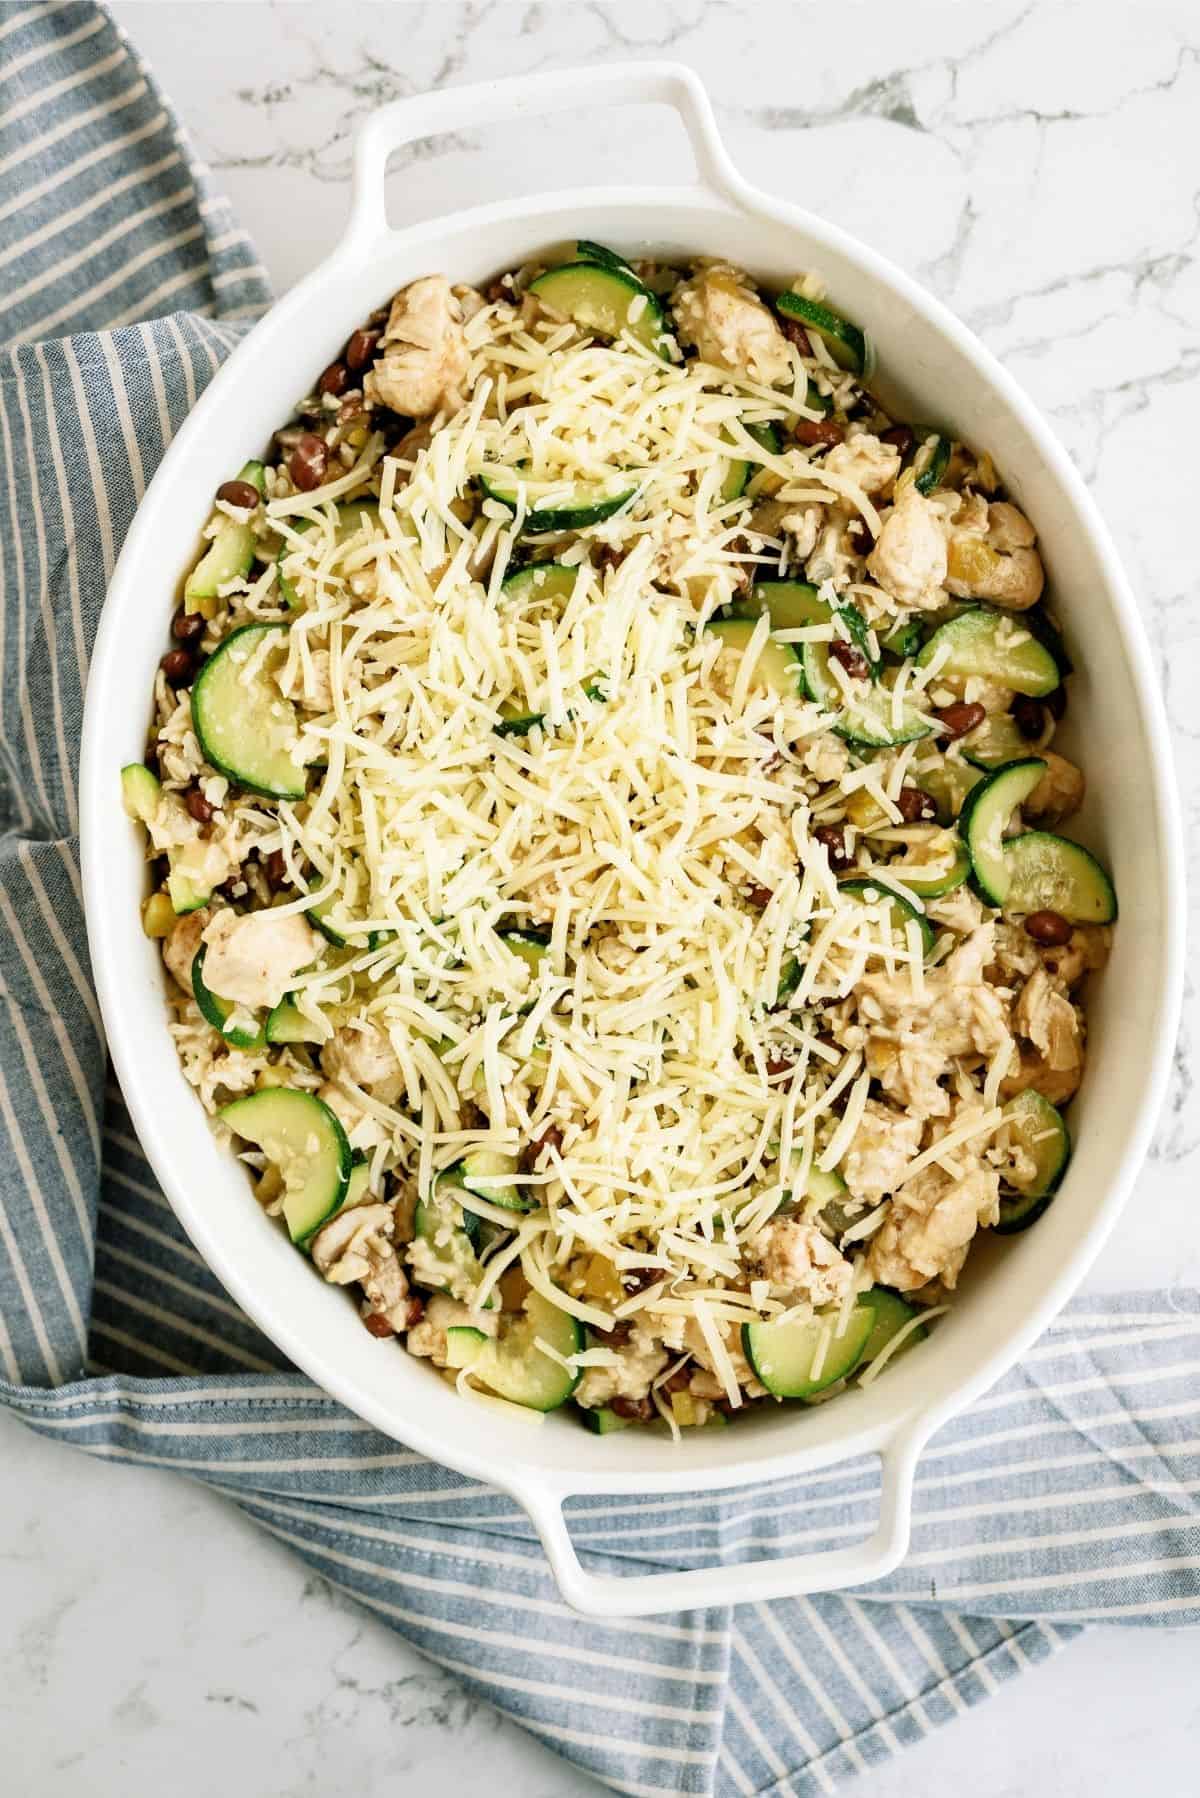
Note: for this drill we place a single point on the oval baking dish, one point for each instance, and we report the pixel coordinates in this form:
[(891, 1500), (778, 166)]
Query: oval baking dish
[(1012, 1289)]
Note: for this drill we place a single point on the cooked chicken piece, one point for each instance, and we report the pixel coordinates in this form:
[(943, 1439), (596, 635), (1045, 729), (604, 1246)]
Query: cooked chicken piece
[(363, 1054), (180, 945), (357, 1246), (866, 461), (724, 318), (909, 559), (913, 1040), (1059, 792), (251, 958), (959, 911), (424, 357), (428, 1337), (1048, 1020), (883, 1145), (639, 1363), (929, 1228), (802, 1263), (996, 562)]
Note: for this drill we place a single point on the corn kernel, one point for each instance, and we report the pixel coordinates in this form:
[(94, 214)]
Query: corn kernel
[(864, 811), (158, 915), (356, 436), (602, 1281), (683, 1406)]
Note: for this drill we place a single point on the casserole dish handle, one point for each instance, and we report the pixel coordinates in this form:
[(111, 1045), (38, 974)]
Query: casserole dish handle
[(741, 1582), (530, 96)]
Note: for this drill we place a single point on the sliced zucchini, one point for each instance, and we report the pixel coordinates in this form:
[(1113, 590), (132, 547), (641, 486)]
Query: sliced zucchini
[(784, 1356), (566, 505), (605, 299), (236, 1023), (871, 892), (867, 712), (790, 605), (298, 1132), (463, 1345), (847, 344), (513, 1367), (195, 870), (948, 866), (948, 783), (1039, 621), (1042, 1135), (532, 948), (1043, 872), (739, 471), (995, 742), (903, 640), (540, 580), (351, 515), (229, 557), (995, 646), (286, 1023), (602, 1421), (444, 1209), (931, 461), (246, 728), (891, 1314), (789, 980), (318, 914), (778, 667), (985, 816), (451, 1235), (488, 1174), (588, 251), (140, 792), (515, 720)]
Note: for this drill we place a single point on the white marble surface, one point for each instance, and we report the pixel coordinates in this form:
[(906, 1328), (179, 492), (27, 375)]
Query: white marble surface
[(1038, 165)]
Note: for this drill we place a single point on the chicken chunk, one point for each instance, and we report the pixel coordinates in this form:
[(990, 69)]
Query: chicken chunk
[(1045, 1017), (929, 1229), (181, 943), (724, 318), (356, 1247), (865, 460), (428, 1337), (909, 559), (639, 1363), (363, 1054), (883, 1145), (423, 352), (997, 563), (252, 957), (1059, 792), (802, 1263)]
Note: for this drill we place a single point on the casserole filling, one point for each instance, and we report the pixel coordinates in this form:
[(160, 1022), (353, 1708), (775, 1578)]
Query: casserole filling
[(605, 842)]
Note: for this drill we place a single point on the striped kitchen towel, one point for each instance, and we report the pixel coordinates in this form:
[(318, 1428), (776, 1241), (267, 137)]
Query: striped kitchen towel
[(1068, 1494)]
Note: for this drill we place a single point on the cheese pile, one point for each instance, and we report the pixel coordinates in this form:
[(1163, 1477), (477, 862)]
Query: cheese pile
[(640, 826)]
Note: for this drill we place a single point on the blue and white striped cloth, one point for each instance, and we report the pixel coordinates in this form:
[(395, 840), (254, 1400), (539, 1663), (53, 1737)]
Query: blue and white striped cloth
[(1067, 1495)]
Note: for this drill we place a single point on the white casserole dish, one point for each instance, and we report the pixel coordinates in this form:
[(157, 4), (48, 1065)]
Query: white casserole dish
[(934, 368)]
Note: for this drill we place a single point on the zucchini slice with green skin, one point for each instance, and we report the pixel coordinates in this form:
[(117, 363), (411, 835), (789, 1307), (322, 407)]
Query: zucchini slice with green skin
[(903, 640), (451, 1235), (351, 515), (255, 475), (444, 1208), (1043, 1135), (778, 667), (996, 647), (587, 251), (190, 881), (937, 884), (602, 1421), (790, 605), (286, 1023), (1043, 872), (229, 557), (870, 892), (986, 813), (488, 1174), (574, 506), (540, 580), (236, 1023), (739, 471), (1039, 621), (513, 1367), (848, 345), (783, 1356), (141, 791), (605, 299), (891, 1314), (931, 462), (464, 1344), (995, 742), (532, 948), (318, 914), (298, 1132), (949, 784), (867, 713), (514, 722), (246, 729)]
